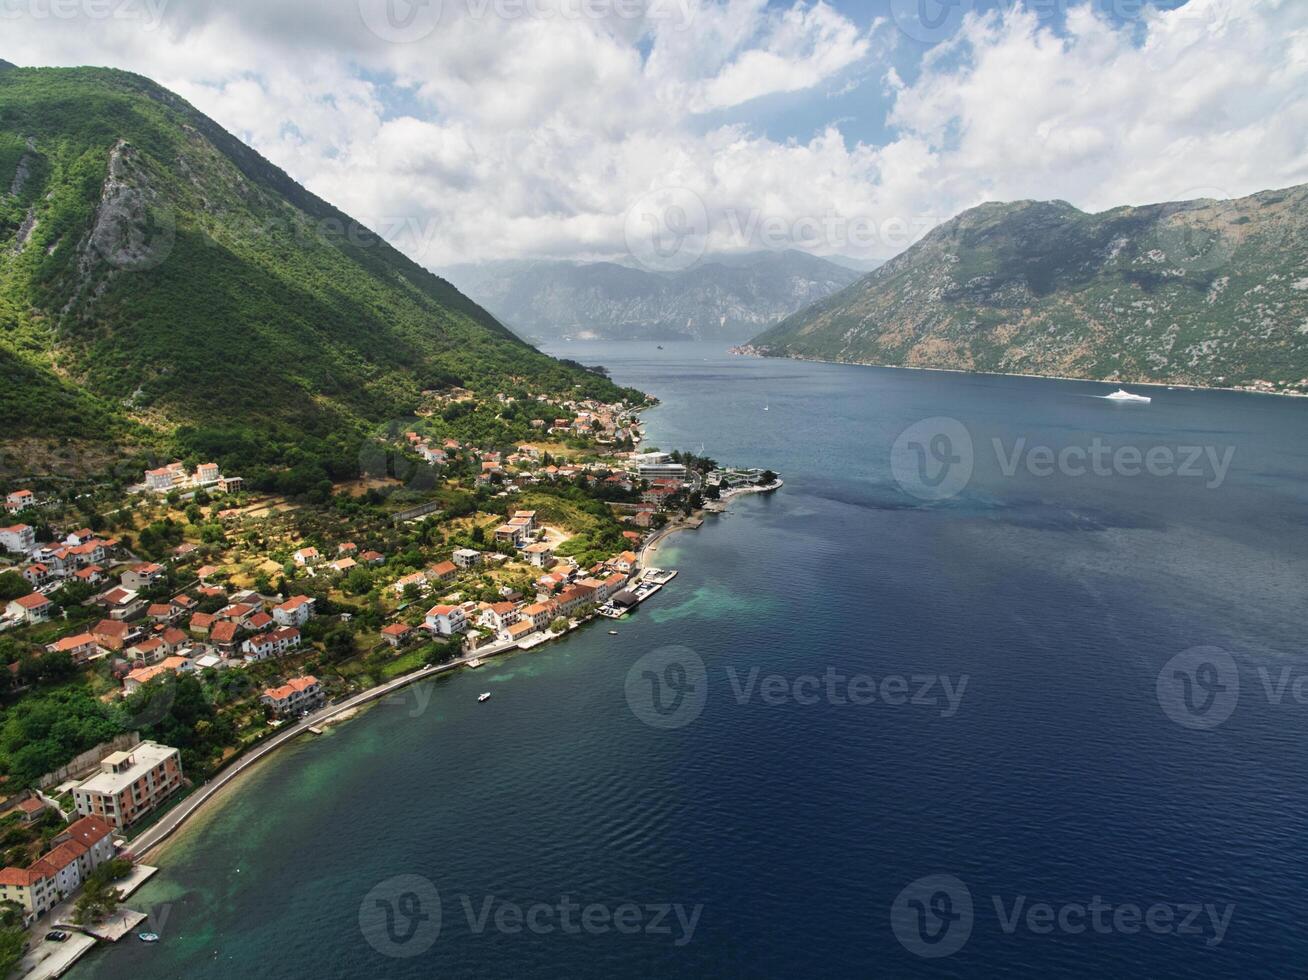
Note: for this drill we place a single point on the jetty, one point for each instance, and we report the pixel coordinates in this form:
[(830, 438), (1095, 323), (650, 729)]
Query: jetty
[(647, 583)]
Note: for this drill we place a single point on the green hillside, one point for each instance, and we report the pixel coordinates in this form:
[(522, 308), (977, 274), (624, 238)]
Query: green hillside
[(160, 282), (1199, 292)]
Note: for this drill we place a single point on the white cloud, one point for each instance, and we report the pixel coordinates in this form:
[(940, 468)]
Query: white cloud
[(500, 136)]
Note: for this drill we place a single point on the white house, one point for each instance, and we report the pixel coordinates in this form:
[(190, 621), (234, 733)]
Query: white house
[(142, 576), (272, 644), (34, 608), (446, 620), (296, 695), (19, 500), (165, 477), (295, 611), (467, 558), (541, 555), (20, 538), (307, 556), (499, 616)]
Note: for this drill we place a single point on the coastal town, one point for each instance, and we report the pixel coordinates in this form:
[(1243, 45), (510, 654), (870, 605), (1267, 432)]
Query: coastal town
[(159, 631)]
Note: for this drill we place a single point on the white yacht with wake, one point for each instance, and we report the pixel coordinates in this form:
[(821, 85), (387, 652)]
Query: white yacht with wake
[(1122, 395)]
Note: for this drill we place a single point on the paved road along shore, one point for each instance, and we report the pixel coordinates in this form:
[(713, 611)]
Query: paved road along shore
[(161, 831)]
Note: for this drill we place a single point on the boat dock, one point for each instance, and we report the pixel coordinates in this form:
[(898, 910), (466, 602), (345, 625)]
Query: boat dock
[(646, 584)]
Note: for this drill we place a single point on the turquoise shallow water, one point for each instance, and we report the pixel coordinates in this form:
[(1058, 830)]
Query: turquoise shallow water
[(792, 821)]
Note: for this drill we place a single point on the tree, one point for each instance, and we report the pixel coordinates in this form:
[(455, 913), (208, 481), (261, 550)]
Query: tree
[(99, 898), (13, 586), (339, 643), (11, 915), (559, 625), (357, 582), (767, 478), (12, 943)]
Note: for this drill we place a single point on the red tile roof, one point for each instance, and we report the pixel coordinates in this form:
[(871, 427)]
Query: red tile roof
[(89, 830)]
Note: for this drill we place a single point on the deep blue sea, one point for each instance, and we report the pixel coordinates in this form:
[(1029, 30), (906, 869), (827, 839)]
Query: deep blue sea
[(936, 708)]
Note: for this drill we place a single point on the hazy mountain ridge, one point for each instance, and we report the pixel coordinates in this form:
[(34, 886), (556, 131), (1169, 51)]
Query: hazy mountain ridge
[(726, 298), (1197, 292)]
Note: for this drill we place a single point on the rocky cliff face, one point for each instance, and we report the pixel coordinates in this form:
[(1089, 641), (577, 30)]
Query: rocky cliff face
[(1197, 292)]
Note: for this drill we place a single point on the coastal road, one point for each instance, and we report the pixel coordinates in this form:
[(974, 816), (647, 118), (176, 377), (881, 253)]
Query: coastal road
[(161, 831)]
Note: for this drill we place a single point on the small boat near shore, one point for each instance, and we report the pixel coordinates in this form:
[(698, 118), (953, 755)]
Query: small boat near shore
[(483, 698), (148, 937), (474, 663)]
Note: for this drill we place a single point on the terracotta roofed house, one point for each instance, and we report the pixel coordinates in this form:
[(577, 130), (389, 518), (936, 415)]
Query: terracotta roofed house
[(296, 695), (295, 611), (81, 647), (443, 572), (34, 608), (396, 633)]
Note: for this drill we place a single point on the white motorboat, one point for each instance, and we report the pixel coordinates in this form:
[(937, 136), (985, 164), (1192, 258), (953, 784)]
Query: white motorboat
[(1122, 395), (483, 697)]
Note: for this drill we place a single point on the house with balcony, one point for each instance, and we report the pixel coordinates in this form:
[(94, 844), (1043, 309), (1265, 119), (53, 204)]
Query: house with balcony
[(34, 608), (19, 538), (297, 695), (274, 644), (142, 576), (295, 611), (19, 501), (130, 784), (446, 620)]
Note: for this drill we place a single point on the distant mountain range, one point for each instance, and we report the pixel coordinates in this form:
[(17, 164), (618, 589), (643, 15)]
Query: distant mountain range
[(721, 298), (1197, 292), (158, 276)]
